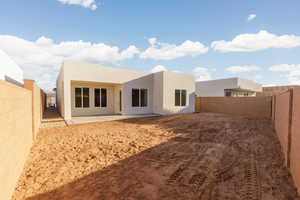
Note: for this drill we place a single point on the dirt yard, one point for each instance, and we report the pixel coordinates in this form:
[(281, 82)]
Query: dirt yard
[(193, 156)]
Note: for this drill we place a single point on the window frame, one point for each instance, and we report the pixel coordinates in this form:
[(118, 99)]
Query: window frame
[(139, 103), (81, 97), (181, 91), (100, 97)]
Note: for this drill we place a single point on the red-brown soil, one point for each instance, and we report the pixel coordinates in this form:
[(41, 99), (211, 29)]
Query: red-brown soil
[(192, 156)]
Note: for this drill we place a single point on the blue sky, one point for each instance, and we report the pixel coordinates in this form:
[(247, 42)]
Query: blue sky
[(209, 39)]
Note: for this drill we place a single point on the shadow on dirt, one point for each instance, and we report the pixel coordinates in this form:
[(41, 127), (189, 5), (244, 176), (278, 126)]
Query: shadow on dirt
[(213, 157)]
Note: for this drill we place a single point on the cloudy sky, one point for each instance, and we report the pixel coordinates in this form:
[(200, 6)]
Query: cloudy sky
[(257, 39)]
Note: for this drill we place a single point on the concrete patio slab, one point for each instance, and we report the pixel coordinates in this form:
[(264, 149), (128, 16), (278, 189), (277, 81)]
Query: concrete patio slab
[(104, 118)]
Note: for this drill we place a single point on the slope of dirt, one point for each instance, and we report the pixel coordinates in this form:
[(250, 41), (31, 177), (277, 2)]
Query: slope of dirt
[(192, 156)]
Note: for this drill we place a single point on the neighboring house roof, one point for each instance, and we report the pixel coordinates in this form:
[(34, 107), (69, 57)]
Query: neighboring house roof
[(10, 71), (234, 83), (217, 87)]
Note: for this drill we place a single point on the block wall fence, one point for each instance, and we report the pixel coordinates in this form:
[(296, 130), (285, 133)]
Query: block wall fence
[(20, 117), (244, 106), (283, 109), (286, 120)]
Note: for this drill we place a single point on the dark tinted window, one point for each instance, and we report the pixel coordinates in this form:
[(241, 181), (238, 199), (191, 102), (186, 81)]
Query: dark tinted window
[(183, 97), (97, 97), (144, 97), (78, 95), (86, 97), (103, 97), (135, 97), (177, 97)]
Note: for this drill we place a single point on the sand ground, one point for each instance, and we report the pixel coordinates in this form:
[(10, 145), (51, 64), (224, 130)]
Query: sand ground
[(192, 156)]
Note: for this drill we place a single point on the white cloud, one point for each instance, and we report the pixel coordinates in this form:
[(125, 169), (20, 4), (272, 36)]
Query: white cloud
[(284, 67), (42, 58), (159, 68), (246, 68), (164, 51), (256, 42), (293, 72), (91, 4), (202, 74), (251, 17)]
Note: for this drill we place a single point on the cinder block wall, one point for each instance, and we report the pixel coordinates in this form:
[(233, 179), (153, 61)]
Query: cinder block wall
[(15, 135), (243, 106), (281, 123), (295, 138), (286, 118)]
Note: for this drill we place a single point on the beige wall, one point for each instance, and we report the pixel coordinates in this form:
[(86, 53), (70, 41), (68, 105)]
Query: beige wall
[(92, 110), (173, 81), (215, 88), (160, 100), (16, 135), (38, 103), (144, 82), (75, 71), (244, 106)]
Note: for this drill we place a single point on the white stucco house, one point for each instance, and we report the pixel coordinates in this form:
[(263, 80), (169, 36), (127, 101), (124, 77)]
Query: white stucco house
[(90, 89), (9, 70), (231, 87)]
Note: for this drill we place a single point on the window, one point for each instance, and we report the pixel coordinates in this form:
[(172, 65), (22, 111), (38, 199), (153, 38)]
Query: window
[(103, 97), (86, 97), (177, 97), (100, 97), (82, 97), (227, 94), (135, 97), (78, 98), (144, 98), (180, 97), (139, 97), (97, 97), (183, 97)]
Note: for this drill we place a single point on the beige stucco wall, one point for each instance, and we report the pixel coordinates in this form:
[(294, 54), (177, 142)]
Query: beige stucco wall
[(16, 134), (215, 88), (75, 71), (92, 110), (60, 92), (144, 82), (172, 81), (38, 97), (161, 89)]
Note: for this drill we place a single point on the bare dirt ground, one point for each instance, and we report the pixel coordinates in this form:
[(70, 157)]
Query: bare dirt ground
[(193, 156)]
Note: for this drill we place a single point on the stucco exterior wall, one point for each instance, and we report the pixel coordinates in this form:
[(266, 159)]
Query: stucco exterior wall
[(60, 92), (75, 71), (144, 82), (171, 82), (215, 88), (10, 71), (243, 106), (158, 92), (92, 110), (38, 105), (16, 134), (249, 85)]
